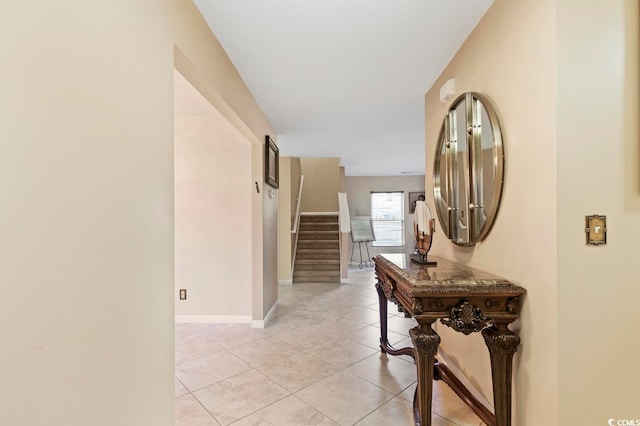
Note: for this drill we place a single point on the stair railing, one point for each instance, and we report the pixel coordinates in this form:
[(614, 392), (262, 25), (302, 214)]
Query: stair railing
[(296, 226)]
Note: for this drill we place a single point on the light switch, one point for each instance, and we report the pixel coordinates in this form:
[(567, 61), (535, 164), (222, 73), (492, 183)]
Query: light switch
[(596, 229)]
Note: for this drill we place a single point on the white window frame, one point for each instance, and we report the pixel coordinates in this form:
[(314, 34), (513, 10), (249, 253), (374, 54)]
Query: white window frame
[(380, 223)]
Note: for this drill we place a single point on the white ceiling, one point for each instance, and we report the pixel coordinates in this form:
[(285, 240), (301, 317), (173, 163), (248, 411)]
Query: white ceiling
[(344, 78)]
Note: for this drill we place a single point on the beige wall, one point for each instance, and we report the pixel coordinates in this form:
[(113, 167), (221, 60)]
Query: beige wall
[(598, 172), (86, 202), (511, 58), (257, 223), (295, 170), (200, 58), (212, 210), (321, 183), (295, 176), (287, 204), (269, 253), (359, 188), (574, 366), (285, 209)]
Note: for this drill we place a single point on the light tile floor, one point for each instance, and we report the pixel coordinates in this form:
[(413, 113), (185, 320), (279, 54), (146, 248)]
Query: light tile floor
[(316, 363)]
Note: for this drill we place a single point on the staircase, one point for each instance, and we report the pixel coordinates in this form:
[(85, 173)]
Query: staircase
[(318, 253)]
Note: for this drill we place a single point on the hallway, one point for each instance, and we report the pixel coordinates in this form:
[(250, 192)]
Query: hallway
[(317, 362)]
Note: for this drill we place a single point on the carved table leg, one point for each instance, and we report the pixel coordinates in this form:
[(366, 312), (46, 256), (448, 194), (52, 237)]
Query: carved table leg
[(502, 344), (384, 339), (426, 341), (382, 301)]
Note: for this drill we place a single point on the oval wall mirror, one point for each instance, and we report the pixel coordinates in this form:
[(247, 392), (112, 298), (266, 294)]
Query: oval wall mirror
[(468, 169)]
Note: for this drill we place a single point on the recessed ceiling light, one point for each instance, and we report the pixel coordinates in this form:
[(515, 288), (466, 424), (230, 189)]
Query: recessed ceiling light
[(405, 173)]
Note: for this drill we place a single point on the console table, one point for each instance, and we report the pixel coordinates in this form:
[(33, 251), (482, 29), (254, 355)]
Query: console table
[(463, 298)]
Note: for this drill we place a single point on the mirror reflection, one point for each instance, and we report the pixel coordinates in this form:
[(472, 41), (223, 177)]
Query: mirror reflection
[(468, 169)]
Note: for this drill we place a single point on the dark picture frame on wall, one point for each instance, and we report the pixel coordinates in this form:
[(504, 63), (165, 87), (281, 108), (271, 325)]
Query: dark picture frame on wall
[(271, 162)]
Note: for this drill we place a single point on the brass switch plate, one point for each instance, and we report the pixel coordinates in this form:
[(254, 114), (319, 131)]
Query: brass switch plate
[(596, 229)]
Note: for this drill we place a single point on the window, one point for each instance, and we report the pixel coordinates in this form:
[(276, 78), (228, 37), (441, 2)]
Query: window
[(387, 214)]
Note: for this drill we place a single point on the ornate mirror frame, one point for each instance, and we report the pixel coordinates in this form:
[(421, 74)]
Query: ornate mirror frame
[(468, 171)]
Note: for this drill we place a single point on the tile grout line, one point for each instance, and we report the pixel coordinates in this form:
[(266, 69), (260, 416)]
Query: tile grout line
[(205, 409), (328, 295)]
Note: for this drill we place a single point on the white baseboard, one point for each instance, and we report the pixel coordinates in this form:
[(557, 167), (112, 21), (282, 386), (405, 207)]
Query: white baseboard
[(263, 323), (213, 319), (444, 359), (285, 282)]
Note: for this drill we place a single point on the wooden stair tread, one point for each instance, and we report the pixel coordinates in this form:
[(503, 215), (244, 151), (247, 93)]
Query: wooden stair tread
[(318, 250)]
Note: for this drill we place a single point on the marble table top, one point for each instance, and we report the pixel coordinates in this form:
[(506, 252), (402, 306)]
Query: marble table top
[(446, 278)]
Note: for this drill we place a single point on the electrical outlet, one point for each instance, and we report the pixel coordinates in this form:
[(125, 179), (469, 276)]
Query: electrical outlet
[(183, 294)]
